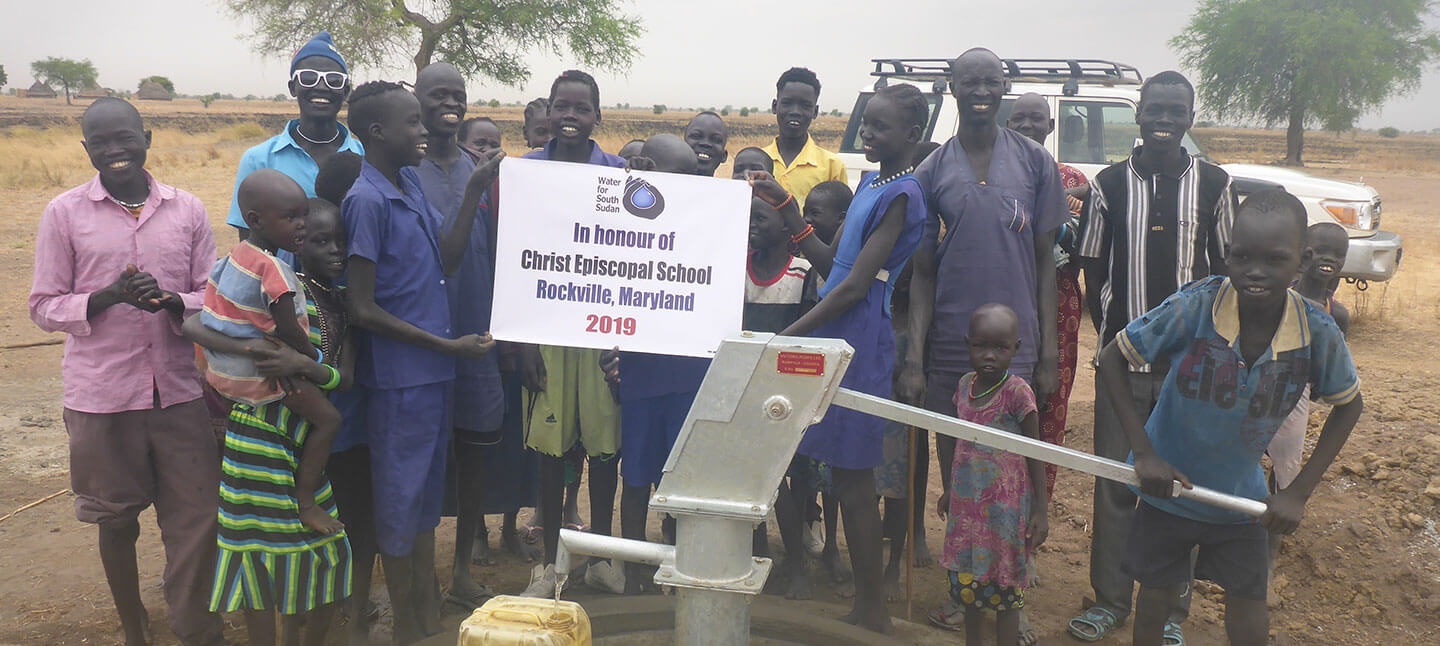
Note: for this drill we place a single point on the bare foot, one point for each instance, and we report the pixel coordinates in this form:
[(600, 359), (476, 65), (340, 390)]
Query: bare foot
[(871, 619), (481, 554), (892, 591), (315, 518), (892, 582), (427, 609), (835, 567), (922, 553), (513, 542), (798, 587)]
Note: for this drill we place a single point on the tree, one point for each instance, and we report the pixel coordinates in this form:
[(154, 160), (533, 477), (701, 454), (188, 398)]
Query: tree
[(1389, 132), (744, 112), (66, 72), (3, 79), (163, 81), (659, 108), (481, 38), (1305, 61), (494, 103), (207, 99)]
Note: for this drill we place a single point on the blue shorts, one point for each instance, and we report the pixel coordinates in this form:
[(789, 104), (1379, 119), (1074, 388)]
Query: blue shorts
[(351, 404), (479, 402), (648, 428), (409, 431)]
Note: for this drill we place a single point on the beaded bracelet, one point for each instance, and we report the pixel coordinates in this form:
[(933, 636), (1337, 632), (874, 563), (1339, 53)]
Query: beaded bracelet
[(809, 229), (334, 378), (788, 199)]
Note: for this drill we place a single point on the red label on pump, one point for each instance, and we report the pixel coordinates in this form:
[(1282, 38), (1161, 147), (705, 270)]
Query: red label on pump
[(809, 364)]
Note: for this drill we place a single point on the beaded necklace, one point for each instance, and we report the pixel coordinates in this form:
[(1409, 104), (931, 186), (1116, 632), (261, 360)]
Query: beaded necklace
[(877, 182), (998, 384)]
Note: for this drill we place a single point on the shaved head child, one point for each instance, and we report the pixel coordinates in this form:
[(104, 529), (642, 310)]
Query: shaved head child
[(253, 295), (260, 545), (800, 163), (479, 134), (1240, 351), (479, 405), (825, 208), (707, 135), (402, 252), (752, 159), (996, 502), (655, 394), (119, 261)]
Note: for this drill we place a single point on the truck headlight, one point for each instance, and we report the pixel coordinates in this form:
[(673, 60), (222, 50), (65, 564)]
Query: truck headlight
[(1352, 214)]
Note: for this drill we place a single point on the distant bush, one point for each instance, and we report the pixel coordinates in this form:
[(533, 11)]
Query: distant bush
[(1389, 132), (725, 111), (1204, 124), (494, 103), (659, 108), (245, 131), (744, 112)]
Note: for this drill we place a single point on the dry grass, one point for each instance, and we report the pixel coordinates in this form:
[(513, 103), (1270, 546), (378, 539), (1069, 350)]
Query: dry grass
[(198, 149)]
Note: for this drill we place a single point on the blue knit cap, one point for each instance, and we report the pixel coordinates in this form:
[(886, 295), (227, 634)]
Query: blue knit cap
[(320, 45)]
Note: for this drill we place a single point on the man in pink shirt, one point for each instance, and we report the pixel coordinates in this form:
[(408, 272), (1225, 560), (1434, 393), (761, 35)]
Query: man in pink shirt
[(119, 262)]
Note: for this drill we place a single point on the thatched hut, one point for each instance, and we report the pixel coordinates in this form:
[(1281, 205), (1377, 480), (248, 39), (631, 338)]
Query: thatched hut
[(152, 91), (40, 91), (94, 92)]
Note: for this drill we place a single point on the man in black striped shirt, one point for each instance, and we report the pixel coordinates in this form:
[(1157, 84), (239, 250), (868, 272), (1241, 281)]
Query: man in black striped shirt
[(1154, 223)]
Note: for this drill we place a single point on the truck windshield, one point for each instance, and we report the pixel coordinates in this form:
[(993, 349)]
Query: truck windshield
[(852, 144), (1100, 131)]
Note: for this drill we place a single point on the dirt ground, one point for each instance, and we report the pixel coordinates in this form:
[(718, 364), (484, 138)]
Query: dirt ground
[(1364, 568)]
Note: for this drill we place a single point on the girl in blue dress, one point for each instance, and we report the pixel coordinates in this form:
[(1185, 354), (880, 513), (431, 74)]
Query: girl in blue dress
[(883, 227)]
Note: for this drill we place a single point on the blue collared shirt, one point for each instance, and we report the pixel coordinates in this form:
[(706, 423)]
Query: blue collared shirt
[(282, 153), (399, 231), (597, 156), (1216, 415)]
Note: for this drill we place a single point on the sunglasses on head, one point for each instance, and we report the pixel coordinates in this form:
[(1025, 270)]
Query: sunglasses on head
[(312, 78)]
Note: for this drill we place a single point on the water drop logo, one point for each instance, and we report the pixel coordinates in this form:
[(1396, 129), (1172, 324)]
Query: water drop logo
[(642, 199)]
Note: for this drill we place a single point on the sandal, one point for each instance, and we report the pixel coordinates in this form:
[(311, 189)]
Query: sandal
[(950, 616), (1094, 624), (1173, 635)]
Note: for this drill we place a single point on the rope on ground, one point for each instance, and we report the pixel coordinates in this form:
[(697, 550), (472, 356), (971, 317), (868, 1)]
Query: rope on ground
[(37, 503), (33, 344)]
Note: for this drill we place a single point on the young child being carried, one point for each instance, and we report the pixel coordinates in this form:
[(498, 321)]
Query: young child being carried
[(1242, 349), (254, 295), (267, 561), (996, 504)]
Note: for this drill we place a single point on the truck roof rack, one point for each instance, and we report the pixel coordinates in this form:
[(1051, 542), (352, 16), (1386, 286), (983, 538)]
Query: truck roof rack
[(1033, 70)]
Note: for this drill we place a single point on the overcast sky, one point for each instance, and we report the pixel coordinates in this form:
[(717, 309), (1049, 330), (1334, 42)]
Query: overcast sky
[(692, 53)]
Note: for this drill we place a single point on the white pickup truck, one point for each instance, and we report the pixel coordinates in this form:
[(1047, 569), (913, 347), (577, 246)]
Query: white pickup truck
[(1094, 106)]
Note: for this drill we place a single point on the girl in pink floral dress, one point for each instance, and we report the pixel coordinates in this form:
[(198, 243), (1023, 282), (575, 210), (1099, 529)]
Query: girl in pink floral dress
[(996, 513)]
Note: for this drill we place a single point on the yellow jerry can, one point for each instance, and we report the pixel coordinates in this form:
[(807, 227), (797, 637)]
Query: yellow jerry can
[(522, 621)]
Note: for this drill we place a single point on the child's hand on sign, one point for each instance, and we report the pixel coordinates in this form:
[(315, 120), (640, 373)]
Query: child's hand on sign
[(472, 346), (610, 365), (639, 162), (765, 187)]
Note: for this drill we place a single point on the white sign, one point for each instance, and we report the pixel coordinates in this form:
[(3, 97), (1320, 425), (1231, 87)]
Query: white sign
[(596, 257)]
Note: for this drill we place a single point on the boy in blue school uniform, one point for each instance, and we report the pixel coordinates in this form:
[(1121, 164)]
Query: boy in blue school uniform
[(401, 252), (1241, 349), (479, 402), (655, 396)]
